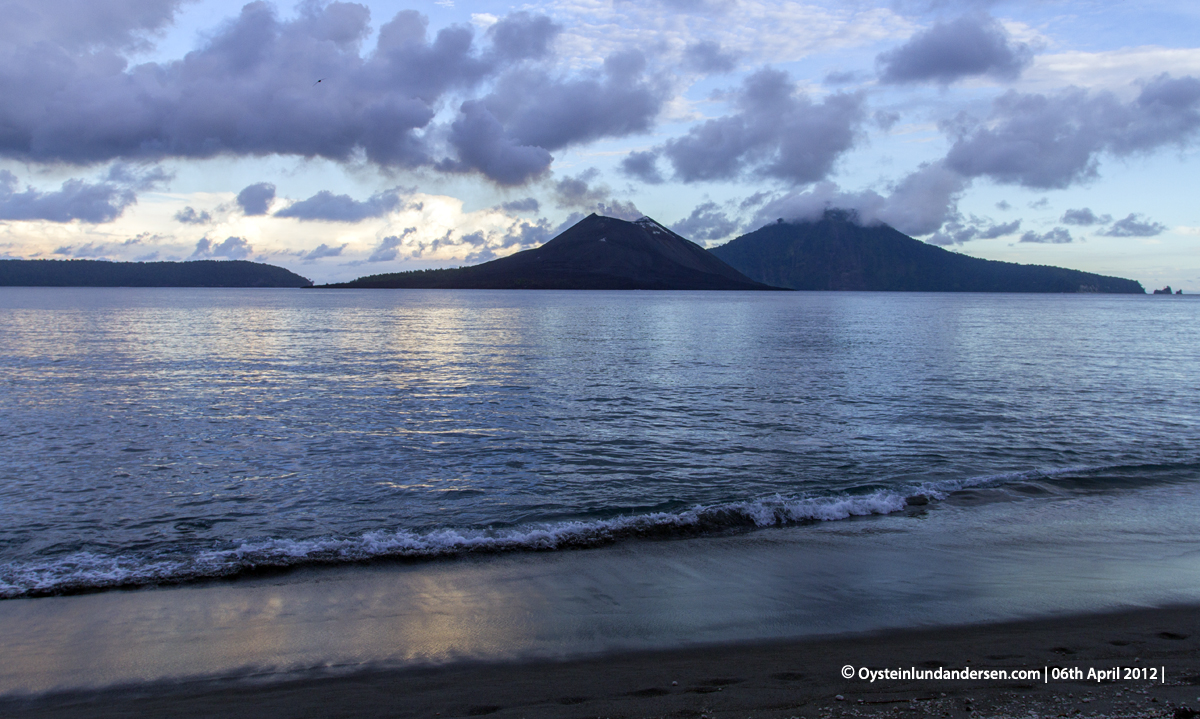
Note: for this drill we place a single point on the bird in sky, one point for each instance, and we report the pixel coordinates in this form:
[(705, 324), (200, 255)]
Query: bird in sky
[(318, 82)]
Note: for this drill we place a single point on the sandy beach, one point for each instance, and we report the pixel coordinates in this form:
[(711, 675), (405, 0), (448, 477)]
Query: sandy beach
[(762, 680)]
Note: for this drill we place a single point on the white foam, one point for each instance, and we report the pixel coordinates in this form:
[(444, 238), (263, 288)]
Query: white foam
[(86, 570)]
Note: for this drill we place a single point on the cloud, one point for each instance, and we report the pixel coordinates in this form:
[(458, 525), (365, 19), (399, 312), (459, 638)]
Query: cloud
[(841, 77), (707, 222), (956, 231), (250, 89), (509, 134), (90, 250), (885, 120), (483, 145), (707, 57), (324, 250), (642, 165), (918, 204), (389, 247), (528, 234), (328, 207), (972, 45), (74, 200), (754, 200), (1057, 236), (85, 25), (189, 216), (578, 193), (1132, 226), (231, 248), (527, 204), (775, 132), (522, 36), (256, 199), (1053, 141), (1084, 217)]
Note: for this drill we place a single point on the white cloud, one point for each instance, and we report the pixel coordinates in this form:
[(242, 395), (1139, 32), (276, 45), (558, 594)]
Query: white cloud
[(759, 31), (1115, 70)]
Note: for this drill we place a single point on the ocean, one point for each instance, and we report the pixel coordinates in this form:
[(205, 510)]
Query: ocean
[(163, 436)]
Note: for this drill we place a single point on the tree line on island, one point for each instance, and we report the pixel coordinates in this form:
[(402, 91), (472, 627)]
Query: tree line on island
[(834, 252)]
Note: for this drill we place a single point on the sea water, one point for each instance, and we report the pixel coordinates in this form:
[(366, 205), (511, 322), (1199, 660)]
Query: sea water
[(153, 436)]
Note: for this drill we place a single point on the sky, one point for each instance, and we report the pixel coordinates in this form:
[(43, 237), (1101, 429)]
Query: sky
[(343, 139)]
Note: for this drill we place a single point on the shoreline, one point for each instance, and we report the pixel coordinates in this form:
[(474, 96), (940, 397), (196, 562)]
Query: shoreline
[(771, 679), (921, 569)]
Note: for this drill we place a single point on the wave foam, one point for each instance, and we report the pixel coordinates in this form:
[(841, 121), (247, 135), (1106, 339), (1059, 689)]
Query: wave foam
[(86, 571)]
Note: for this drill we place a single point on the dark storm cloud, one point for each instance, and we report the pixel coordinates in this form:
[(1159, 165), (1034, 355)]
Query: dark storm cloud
[(251, 89), (708, 58), (324, 250), (707, 222), (189, 216), (1052, 141), (1134, 226), (256, 199), (1084, 217), (328, 207), (1057, 236), (75, 200), (642, 165), (969, 46), (231, 248), (776, 132)]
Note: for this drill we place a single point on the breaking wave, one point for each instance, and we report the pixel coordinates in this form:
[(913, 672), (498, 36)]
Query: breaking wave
[(89, 571)]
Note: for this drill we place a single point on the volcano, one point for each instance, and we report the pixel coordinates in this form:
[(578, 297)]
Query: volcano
[(596, 253)]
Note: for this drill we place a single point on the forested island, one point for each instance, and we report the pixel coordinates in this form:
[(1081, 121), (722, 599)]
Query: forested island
[(835, 252), (101, 273)]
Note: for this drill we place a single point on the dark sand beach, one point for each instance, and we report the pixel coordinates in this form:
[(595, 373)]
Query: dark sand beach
[(769, 679)]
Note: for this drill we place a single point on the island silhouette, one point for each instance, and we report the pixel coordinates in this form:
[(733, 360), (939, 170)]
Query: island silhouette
[(834, 252), (102, 273), (596, 253)]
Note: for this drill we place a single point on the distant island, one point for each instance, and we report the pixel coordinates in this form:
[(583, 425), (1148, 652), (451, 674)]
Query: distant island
[(99, 273), (837, 253), (597, 253)]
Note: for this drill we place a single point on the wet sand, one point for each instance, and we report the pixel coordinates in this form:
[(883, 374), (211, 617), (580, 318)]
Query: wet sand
[(753, 625), (765, 680)]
